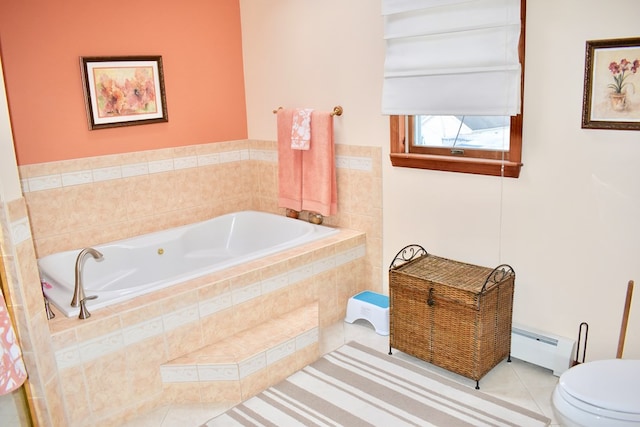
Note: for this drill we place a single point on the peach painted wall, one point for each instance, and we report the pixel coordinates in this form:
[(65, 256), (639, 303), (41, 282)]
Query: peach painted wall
[(41, 42)]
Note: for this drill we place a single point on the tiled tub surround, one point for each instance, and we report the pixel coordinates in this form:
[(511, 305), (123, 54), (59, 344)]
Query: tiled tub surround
[(110, 202), (112, 365)]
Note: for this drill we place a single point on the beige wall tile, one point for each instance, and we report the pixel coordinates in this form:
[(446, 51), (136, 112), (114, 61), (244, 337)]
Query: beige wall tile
[(139, 310), (281, 369), (244, 279), (96, 326), (75, 395), (220, 391), (279, 302), (186, 299), (47, 212), (143, 366), (42, 347), (16, 209), (254, 384), (55, 403), (107, 385), (306, 356), (250, 313), (213, 289), (62, 339), (183, 340), (177, 393), (219, 325), (29, 278)]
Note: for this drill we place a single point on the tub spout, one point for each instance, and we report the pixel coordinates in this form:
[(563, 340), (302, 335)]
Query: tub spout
[(78, 291)]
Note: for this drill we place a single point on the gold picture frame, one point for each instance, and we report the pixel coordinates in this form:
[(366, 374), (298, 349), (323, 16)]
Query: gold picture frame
[(123, 90), (611, 98)]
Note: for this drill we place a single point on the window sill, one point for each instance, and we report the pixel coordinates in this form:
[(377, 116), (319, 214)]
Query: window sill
[(457, 164)]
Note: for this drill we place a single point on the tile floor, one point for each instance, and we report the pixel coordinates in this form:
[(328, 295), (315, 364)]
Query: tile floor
[(518, 382)]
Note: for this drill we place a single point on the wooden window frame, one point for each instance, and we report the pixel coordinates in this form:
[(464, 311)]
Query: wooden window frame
[(480, 162)]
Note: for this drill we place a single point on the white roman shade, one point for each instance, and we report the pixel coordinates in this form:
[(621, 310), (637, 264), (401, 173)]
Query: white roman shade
[(451, 57)]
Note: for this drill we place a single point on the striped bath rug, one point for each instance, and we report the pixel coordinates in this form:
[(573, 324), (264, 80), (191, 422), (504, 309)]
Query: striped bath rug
[(358, 386)]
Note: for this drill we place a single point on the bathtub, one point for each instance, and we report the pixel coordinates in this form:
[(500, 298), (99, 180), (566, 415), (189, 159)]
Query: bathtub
[(146, 263)]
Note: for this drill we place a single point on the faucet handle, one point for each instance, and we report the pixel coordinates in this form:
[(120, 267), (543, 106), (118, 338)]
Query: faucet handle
[(84, 313), (47, 309)]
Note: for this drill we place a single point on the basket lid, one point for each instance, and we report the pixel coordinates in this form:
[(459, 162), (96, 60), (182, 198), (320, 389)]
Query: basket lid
[(463, 276)]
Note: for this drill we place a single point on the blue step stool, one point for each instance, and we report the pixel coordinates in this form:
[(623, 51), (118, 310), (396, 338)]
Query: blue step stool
[(372, 307)]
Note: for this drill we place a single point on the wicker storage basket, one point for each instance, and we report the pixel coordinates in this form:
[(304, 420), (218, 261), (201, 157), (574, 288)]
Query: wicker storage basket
[(449, 313)]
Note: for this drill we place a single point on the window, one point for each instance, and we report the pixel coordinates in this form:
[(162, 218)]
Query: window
[(486, 145), (461, 132), (411, 149)]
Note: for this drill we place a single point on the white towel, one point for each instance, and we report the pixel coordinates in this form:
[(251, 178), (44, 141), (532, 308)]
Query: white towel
[(301, 129)]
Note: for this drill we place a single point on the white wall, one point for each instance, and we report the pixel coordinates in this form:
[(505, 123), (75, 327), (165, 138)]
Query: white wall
[(576, 229), (315, 54), (570, 225)]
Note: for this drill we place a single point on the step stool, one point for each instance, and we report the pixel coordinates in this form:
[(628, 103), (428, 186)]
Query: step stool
[(372, 307)]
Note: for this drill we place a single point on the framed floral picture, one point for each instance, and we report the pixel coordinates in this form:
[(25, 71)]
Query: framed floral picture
[(123, 90), (611, 98)]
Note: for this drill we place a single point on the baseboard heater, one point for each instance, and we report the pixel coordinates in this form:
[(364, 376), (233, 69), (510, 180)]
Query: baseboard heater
[(542, 349)]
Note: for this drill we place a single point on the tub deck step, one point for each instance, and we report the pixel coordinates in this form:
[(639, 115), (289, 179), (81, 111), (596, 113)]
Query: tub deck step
[(244, 364)]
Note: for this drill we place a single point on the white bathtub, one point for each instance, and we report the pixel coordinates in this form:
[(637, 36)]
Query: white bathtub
[(143, 264)]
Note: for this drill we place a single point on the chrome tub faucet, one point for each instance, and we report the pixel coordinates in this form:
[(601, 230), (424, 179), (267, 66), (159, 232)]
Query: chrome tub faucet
[(78, 292)]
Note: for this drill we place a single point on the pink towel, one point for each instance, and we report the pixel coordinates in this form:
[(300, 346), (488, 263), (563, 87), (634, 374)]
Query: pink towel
[(301, 129), (12, 369), (319, 186), (289, 165)]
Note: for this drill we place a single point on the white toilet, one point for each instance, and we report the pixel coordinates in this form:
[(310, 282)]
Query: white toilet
[(601, 393)]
